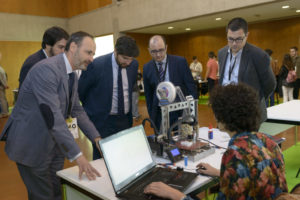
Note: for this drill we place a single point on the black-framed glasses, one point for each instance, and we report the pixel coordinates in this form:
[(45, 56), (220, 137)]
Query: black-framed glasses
[(236, 40), (157, 51)]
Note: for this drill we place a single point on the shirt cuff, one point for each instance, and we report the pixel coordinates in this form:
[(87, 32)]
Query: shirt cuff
[(77, 156)]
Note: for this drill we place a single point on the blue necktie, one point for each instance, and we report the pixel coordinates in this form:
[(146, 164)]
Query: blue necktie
[(160, 71), (120, 93), (71, 82)]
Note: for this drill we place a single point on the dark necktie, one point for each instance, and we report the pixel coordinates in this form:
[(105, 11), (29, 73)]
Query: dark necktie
[(120, 93), (71, 82), (161, 71)]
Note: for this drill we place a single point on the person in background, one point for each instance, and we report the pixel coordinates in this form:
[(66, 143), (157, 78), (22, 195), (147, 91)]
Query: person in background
[(105, 89), (296, 62), (196, 69), (252, 166), (36, 133), (54, 42), (240, 61), (287, 86), (274, 67), (3, 87), (165, 67), (212, 69)]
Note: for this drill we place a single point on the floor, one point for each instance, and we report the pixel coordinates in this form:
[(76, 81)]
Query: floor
[(12, 187)]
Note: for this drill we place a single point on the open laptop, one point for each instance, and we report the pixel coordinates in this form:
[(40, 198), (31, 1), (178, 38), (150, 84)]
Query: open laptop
[(131, 167)]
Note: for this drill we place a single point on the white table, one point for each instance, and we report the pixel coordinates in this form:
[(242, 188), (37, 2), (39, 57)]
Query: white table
[(286, 113), (102, 187)]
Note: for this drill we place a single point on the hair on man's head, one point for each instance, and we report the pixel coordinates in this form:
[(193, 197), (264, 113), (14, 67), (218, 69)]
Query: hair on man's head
[(295, 48), (127, 46), (53, 35), (77, 37), (236, 24), (237, 107), (211, 54), (155, 37)]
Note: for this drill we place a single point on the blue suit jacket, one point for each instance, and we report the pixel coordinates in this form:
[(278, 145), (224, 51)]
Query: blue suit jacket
[(28, 64), (179, 74), (96, 88), (254, 70)]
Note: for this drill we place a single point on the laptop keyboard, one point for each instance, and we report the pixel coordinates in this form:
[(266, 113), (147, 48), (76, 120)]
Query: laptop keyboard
[(164, 175)]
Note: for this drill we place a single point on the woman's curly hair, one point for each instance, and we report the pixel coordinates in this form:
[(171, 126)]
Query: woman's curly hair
[(237, 107)]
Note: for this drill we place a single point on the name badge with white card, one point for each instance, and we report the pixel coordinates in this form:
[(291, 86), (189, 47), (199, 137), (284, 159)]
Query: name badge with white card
[(73, 127)]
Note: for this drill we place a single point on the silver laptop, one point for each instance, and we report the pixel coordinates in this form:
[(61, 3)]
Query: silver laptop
[(131, 167)]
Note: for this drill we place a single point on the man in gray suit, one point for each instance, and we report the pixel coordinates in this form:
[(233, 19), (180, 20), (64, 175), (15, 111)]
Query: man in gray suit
[(240, 61), (37, 136)]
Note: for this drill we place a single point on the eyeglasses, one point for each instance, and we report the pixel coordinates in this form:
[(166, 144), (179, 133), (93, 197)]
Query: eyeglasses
[(236, 40), (159, 51)]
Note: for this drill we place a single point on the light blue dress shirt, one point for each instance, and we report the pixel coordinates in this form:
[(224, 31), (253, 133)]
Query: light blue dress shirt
[(232, 60)]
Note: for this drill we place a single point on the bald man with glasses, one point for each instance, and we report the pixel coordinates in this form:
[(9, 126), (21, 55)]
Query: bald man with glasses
[(240, 61), (165, 67)]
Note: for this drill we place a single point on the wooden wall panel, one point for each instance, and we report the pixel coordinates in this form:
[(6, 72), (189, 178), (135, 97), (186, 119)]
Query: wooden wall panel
[(51, 8), (13, 57)]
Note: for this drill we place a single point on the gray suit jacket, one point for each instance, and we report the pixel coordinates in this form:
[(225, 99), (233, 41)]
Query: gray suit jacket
[(37, 123), (254, 70)]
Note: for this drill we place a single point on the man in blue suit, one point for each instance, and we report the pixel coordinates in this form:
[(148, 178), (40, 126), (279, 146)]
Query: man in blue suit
[(165, 67), (105, 89), (54, 43)]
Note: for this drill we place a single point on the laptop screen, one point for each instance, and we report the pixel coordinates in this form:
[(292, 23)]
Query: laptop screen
[(127, 155)]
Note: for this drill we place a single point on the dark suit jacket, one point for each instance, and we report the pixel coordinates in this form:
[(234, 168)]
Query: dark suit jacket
[(28, 64), (179, 74), (254, 70), (96, 88), (37, 123)]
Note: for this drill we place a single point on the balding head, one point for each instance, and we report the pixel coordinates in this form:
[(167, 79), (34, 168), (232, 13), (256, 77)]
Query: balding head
[(157, 47)]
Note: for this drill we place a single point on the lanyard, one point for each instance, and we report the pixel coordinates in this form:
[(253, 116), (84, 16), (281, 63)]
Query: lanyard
[(231, 67), (165, 70)]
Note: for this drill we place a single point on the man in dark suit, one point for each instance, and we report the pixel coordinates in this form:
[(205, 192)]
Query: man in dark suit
[(105, 89), (240, 61), (37, 136), (54, 42), (165, 67)]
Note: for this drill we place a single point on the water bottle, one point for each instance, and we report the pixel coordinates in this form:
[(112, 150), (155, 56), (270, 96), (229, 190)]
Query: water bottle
[(210, 133)]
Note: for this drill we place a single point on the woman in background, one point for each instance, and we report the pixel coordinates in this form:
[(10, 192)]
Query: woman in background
[(287, 85)]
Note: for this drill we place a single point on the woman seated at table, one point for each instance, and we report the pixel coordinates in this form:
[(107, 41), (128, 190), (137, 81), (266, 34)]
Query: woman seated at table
[(252, 166)]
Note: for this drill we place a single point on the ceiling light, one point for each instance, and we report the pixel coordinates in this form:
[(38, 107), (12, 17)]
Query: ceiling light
[(298, 11), (218, 18), (188, 29), (285, 7), (170, 27)]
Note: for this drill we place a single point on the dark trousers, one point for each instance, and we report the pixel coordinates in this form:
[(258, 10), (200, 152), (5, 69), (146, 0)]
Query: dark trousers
[(296, 88), (197, 87), (271, 99), (41, 182), (211, 84), (113, 124)]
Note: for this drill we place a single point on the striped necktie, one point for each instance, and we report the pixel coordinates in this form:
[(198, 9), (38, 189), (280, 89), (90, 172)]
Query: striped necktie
[(161, 71)]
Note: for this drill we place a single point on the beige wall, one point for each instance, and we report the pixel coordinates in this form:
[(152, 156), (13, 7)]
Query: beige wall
[(14, 54), (133, 14)]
